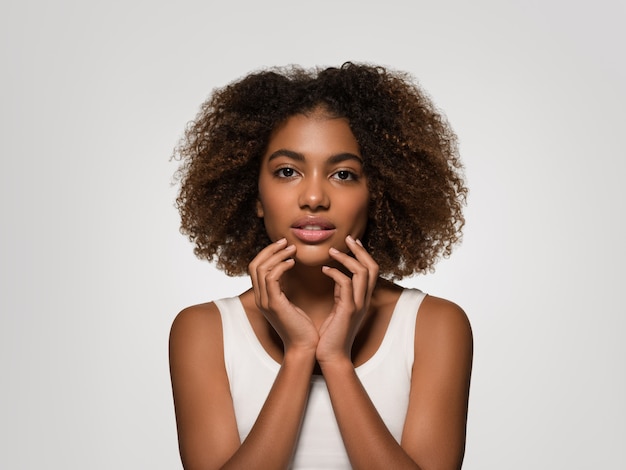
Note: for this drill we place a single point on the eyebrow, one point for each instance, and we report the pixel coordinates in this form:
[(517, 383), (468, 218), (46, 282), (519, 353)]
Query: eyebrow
[(338, 158)]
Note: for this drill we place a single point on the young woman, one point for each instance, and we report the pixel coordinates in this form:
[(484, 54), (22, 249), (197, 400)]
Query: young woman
[(323, 186)]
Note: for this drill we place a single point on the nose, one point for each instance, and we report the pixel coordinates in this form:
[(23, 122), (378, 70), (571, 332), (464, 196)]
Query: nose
[(314, 194)]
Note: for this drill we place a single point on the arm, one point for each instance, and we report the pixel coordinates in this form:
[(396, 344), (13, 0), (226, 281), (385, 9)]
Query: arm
[(207, 430), (434, 432), (205, 418)]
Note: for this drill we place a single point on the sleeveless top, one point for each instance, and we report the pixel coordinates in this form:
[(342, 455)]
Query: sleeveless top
[(386, 377)]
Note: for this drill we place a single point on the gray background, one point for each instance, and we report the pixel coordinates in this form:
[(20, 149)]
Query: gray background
[(94, 96)]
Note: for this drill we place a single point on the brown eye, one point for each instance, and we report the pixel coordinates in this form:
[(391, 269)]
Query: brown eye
[(345, 175), (285, 172)]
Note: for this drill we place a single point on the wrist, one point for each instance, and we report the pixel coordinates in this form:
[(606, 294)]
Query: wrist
[(336, 365), (299, 356)]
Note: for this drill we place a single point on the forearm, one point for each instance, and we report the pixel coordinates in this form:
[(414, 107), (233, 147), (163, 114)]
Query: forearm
[(367, 440), (272, 439)]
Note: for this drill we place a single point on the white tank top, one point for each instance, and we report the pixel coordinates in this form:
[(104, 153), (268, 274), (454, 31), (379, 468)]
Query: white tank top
[(386, 377)]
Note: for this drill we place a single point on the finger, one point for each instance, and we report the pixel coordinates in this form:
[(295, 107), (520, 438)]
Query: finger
[(353, 265), (360, 275), (265, 253), (273, 289), (359, 251), (343, 287), (266, 265), (261, 256), (272, 269), (264, 272), (366, 259), (270, 255)]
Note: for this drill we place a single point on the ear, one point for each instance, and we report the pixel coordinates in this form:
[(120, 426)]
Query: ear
[(259, 209)]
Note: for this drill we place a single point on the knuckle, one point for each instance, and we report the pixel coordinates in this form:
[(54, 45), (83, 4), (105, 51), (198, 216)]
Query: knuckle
[(343, 281), (272, 275), (361, 269), (263, 272), (272, 304)]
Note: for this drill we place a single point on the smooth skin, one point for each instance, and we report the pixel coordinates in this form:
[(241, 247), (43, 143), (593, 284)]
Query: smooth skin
[(315, 308)]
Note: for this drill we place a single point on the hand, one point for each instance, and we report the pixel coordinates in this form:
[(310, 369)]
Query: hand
[(294, 327), (352, 301)]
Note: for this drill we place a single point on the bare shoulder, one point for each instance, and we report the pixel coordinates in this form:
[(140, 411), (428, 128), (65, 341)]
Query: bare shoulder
[(207, 429), (434, 432), (442, 324), (201, 315), (196, 328)]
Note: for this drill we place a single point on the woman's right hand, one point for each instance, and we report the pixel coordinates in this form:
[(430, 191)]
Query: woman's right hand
[(294, 327)]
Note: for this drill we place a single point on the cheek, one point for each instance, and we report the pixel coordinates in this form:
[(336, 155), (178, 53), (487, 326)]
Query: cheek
[(271, 205), (364, 218), (366, 208), (273, 209), (266, 199), (360, 210), (365, 201)]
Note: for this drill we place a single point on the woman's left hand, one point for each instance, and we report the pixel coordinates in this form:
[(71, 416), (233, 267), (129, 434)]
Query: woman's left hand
[(352, 301)]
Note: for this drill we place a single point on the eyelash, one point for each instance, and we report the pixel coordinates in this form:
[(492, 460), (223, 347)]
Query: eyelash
[(351, 176), (280, 171)]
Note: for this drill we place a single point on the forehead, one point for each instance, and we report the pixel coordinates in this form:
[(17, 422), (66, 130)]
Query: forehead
[(315, 134)]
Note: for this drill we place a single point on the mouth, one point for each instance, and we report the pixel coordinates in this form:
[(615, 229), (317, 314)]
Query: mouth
[(313, 229)]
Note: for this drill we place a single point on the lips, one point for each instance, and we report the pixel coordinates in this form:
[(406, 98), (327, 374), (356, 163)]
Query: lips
[(313, 229)]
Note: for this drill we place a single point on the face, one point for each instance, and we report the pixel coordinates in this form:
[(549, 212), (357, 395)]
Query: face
[(312, 189)]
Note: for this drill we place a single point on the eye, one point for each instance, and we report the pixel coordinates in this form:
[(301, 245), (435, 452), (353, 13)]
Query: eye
[(345, 175), (285, 172)]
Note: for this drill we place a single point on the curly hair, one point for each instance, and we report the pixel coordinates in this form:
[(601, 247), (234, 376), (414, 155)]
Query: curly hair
[(410, 154)]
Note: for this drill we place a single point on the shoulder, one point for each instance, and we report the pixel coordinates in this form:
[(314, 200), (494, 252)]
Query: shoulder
[(442, 325), (442, 313), (196, 317), (196, 329), (436, 420), (204, 413)]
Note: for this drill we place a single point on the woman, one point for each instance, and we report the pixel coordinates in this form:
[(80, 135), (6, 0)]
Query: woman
[(324, 186)]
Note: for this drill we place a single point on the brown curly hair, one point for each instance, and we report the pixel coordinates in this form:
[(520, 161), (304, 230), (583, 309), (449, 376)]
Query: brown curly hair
[(410, 159)]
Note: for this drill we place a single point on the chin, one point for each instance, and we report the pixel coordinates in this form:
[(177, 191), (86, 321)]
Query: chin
[(317, 257), (313, 262)]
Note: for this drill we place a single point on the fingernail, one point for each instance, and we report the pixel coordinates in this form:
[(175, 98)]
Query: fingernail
[(359, 242), (349, 237), (334, 251), (281, 241)]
